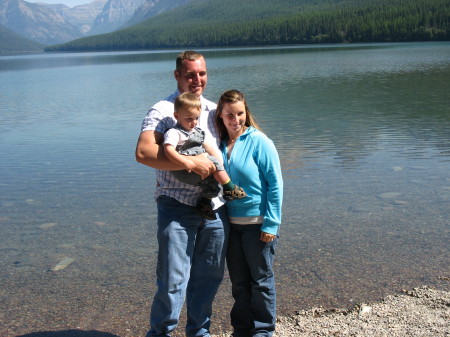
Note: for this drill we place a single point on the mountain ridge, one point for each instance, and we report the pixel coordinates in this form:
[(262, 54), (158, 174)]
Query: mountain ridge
[(222, 23), (115, 13), (57, 23), (150, 24), (12, 43), (36, 21), (81, 16)]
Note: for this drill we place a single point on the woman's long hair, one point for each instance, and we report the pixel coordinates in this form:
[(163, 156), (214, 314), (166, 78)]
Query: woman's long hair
[(233, 96)]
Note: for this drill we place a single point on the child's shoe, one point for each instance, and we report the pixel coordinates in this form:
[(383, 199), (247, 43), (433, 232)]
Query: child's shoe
[(236, 193), (204, 208)]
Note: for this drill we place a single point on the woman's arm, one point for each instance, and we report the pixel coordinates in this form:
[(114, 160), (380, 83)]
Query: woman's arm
[(269, 163)]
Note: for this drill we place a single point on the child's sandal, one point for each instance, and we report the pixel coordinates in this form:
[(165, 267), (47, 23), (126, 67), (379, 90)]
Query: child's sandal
[(204, 208), (236, 193)]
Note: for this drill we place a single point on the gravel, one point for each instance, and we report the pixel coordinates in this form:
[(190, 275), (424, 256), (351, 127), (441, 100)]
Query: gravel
[(421, 312)]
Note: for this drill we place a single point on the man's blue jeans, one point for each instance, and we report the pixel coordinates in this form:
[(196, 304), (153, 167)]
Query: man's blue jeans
[(191, 259), (250, 263)]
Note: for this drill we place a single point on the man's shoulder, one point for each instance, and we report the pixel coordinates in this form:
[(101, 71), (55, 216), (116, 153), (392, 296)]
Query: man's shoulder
[(207, 104), (165, 105), (160, 116)]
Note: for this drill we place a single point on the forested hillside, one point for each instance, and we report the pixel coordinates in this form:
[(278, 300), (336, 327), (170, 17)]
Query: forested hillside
[(213, 23), (11, 42)]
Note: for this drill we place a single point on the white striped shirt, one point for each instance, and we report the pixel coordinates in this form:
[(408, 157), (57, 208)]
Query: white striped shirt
[(159, 119)]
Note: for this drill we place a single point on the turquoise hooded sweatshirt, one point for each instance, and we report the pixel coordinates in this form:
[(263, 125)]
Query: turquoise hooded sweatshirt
[(254, 165)]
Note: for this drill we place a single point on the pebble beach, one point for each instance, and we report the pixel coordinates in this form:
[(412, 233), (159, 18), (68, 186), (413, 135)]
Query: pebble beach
[(421, 312)]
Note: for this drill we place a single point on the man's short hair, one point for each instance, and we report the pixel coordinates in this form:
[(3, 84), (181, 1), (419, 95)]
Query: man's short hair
[(189, 55)]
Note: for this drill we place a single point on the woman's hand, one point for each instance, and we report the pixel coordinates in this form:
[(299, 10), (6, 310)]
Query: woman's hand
[(266, 237)]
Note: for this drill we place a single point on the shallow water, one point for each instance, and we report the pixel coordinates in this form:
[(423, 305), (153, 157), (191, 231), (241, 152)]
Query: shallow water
[(364, 136)]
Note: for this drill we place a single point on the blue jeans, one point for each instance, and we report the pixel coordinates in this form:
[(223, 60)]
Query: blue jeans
[(250, 262), (191, 260)]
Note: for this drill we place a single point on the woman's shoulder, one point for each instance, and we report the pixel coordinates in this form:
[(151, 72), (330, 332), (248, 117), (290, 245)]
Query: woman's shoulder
[(258, 135)]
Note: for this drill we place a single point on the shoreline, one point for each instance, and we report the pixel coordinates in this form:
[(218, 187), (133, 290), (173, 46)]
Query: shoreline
[(420, 312)]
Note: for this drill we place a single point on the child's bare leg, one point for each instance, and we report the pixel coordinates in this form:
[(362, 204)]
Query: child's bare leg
[(221, 177)]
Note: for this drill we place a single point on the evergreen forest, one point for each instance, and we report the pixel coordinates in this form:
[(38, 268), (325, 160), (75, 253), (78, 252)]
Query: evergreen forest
[(227, 23)]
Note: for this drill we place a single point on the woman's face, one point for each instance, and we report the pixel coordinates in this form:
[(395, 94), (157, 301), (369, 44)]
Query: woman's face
[(234, 116)]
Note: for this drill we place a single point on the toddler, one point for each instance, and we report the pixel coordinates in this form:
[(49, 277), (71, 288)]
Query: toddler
[(186, 139)]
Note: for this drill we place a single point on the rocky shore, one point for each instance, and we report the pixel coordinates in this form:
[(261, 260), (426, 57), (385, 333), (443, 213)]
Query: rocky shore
[(421, 312)]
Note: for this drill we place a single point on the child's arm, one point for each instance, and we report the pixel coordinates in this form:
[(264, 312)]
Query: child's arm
[(177, 158), (212, 151)]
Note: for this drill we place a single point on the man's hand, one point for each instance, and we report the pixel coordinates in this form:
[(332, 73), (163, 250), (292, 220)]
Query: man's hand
[(189, 166), (203, 166)]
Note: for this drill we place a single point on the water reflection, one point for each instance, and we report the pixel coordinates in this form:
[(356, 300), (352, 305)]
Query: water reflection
[(357, 117), (59, 60)]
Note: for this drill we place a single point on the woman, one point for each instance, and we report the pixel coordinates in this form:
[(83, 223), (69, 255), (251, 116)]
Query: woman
[(252, 162)]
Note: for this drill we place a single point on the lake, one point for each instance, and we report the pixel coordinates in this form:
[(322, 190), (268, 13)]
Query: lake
[(363, 132)]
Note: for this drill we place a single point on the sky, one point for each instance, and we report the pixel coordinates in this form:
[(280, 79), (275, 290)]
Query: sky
[(70, 3)]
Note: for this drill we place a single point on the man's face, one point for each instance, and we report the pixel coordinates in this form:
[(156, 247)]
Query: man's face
[(192, 76)]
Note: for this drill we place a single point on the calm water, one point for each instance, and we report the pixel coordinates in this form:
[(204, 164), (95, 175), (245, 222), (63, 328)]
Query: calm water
[(364, 136)]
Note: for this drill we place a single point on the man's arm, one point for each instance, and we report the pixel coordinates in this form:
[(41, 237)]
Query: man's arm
[(149, 152)]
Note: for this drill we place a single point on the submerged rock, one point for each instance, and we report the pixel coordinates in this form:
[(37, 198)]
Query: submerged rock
[(389, 195), (47, 225), (399, 202), (64, 263)]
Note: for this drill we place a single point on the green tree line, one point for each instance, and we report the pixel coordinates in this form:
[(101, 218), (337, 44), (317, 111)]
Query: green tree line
[(217, 23)]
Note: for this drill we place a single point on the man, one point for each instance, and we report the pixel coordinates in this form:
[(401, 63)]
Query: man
[(191, 253)]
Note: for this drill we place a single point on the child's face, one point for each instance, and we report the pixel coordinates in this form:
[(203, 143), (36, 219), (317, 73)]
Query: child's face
[(187, 117)]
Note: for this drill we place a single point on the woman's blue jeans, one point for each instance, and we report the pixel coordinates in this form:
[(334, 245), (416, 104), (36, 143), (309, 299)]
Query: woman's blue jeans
[(191, 259), (250, 263)]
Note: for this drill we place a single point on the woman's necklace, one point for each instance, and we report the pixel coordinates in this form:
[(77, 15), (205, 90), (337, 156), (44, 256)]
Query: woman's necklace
[(230, 143)]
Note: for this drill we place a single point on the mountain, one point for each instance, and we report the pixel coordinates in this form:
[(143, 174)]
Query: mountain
[(152, 8), (36, 22), (115, 14), (11, 43), (221, 23), (53, 24), (82, 16), (104, 16)]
